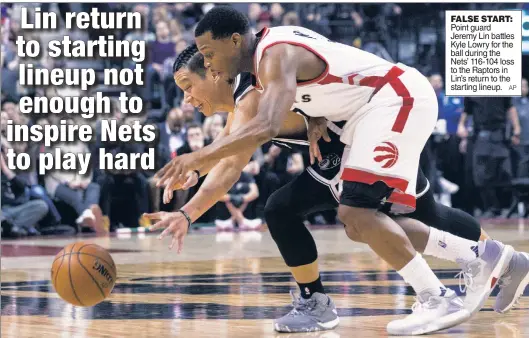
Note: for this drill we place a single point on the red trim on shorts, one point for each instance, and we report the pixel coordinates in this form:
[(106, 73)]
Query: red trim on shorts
[(396, 197), (357, 175), (402, 199)]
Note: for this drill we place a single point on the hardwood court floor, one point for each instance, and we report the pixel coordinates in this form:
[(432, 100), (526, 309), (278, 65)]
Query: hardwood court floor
[(226, 285)]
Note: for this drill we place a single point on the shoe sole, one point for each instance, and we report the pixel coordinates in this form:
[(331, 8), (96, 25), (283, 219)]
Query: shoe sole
[(320, 327), (444, 323), (517, 294), (506, 255)]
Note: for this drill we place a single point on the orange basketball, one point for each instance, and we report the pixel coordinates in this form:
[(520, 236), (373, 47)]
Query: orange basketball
[(83, 274)]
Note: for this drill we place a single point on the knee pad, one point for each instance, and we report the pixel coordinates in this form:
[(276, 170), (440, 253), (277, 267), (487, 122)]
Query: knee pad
[(362, 195)]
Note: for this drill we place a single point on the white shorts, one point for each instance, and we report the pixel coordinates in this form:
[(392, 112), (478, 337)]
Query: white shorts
[(388, 134)]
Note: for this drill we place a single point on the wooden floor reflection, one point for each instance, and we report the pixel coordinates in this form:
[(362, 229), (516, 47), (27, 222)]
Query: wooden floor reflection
[(227, 285)]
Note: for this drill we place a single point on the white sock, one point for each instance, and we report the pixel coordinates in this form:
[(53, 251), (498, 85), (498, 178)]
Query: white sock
[(418, 274), (443, 245)]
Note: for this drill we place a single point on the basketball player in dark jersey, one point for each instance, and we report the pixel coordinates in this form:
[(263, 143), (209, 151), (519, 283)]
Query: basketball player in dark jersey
[(316, 189)]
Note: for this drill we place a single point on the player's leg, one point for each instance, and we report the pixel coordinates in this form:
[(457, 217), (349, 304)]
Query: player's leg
[(386, 143), (284, 214), (454, 236)]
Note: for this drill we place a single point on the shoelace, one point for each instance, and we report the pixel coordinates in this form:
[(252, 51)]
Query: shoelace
[(301, 308), (419, 307), (467, 279)]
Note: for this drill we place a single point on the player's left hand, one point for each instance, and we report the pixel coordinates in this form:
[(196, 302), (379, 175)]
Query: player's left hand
[(191, 181), (316, 130), (174, 223), (174, 172)]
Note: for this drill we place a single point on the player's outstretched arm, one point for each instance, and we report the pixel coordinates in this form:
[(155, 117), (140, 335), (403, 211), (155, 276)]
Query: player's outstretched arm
[(278, 76), (219, 181), (191, 177)]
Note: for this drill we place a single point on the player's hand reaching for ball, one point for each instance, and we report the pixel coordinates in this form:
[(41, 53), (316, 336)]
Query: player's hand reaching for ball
[(174, 224), (316, 130), (175, 174), (191, 180)]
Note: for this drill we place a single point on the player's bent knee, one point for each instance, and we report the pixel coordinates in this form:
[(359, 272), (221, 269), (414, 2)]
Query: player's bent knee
[(353, 233), (272, 210), (355, 221)]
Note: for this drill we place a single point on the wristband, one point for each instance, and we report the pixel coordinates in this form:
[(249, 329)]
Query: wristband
[(198, 173), (186, 216)]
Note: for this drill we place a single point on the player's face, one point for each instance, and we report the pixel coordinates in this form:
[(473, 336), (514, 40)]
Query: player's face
[(221, 56), (203, 93)]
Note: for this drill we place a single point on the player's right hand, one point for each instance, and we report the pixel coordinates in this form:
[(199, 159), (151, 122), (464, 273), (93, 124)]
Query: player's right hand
[(174, 223), (316, 130)]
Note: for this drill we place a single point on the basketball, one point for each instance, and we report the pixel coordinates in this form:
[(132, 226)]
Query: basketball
[(83, 274)]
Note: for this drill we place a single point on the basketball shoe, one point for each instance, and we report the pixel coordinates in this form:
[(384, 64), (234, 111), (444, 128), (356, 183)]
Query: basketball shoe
[(431, 313), (513, 282), (317, 313), (482, 274)]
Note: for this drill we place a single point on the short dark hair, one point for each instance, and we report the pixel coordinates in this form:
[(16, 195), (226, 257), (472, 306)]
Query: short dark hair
[(222, 22), (191, 59), (193, 125)]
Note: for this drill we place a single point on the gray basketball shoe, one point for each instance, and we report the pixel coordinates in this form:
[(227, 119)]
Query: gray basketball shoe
[(513, 282), (482, 274), (317, 313)]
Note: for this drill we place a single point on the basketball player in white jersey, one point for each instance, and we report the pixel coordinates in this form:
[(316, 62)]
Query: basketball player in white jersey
[(389, 110)]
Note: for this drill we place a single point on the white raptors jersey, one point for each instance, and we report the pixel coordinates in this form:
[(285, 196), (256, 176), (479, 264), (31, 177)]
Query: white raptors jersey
[(348, 82)]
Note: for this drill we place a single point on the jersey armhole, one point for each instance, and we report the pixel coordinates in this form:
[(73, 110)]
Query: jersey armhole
[(318, 79)]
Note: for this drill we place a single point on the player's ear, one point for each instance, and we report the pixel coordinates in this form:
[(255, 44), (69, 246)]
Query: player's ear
[(236, 39)]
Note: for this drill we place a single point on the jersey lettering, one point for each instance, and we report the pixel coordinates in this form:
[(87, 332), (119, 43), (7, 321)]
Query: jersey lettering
[(306, 98), (298, 33)]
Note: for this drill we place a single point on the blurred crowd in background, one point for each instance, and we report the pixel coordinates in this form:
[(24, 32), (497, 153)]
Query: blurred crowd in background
[(480, 149)]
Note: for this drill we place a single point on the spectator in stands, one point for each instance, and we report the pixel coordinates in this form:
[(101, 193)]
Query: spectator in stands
[(159, 50), (188, 14), (283, 163), (172, 134), (173, 93), (291, 19), (125, 193), (276, 14), (31, 181), (449, 159), (254, 11), (522, 150), (77, 191), (142, 34), (191, 115), (213, 125), (491, 160), (10, 107), (9, 61), (171, 138), (195, 140), (21, 215), (176, 30), (159, 14), (264, 20), (231, 209)]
